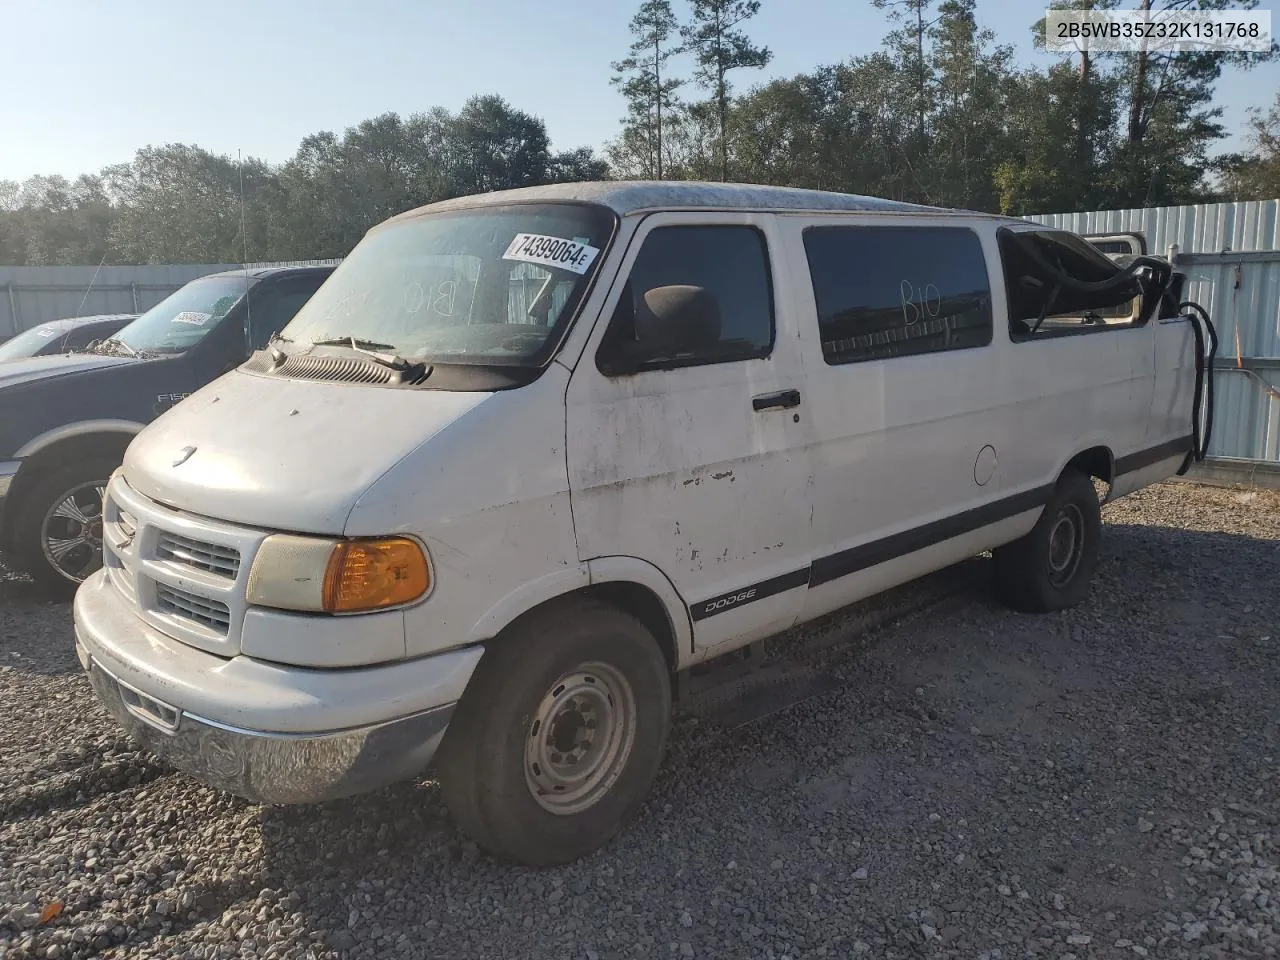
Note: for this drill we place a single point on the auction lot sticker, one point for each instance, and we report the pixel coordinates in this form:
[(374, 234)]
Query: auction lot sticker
[(552, 252)]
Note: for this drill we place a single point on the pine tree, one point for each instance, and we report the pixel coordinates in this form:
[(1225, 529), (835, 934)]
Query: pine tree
[(719, 48), (640, 76)]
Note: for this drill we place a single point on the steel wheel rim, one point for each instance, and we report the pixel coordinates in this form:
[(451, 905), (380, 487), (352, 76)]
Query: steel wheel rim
[(580, 739), (71, 531), (1066, 544)]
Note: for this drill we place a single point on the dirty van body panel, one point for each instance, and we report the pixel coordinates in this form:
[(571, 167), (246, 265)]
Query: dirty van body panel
[(1168, 436), (488, 494), (1078, 392), (1088, 377), (911, 422), (265, 448), (678, 468)]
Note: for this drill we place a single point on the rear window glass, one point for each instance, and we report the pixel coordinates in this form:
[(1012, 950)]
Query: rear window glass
[(886, 292), (1039, 306)]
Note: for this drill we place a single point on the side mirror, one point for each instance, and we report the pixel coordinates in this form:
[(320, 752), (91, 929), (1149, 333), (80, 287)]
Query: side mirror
[(1173, 296), (668, 322)]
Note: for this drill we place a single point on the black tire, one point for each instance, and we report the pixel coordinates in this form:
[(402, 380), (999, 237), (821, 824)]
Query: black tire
[(34, 524), (1051, 568), (487, 782)]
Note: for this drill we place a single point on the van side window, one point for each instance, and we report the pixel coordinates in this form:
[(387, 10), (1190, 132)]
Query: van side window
[(885, 292), (726, 268), (1040, 307)]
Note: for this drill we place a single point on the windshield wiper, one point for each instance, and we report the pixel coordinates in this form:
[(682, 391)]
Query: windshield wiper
[(355, 343), (371, 349)]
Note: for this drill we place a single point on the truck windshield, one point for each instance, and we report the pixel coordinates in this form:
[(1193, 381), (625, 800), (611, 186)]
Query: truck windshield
[(184, 318), (488, 286)]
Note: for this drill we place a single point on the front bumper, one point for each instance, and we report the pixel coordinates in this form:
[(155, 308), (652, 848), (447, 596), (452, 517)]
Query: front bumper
[(279, 768), (263, 731)]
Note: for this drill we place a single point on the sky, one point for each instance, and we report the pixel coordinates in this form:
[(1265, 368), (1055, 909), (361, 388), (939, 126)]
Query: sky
[(87, 82)]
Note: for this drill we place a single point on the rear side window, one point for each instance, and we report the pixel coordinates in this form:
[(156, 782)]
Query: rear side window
[(731, 263), (1042, 306), (886, 292)]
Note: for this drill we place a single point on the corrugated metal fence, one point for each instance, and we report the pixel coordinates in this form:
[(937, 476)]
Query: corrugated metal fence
[(30, 296), (1229, 253)]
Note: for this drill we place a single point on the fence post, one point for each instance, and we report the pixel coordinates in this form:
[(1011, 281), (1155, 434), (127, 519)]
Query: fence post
[(13, 309), (133, 288)]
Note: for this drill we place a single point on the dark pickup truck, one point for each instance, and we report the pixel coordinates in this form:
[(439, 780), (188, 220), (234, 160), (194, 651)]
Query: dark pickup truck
[(66, 420)]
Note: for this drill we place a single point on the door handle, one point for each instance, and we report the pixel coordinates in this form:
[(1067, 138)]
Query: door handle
[(776, 401)]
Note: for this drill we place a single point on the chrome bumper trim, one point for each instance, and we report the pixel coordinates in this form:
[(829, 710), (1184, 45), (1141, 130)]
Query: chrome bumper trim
[(267, 767)]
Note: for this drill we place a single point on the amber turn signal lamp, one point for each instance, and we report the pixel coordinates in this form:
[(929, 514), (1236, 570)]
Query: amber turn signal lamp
[(371, 574)]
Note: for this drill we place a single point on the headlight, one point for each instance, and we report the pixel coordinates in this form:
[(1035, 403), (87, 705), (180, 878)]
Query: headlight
[(338, 576)]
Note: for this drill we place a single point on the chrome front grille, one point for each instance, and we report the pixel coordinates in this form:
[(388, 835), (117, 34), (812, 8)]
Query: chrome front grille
[(183, 574), (213, 614), (211, 557)]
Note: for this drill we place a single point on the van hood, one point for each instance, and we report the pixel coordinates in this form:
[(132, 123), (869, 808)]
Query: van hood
[(281, 454), (55, 365)]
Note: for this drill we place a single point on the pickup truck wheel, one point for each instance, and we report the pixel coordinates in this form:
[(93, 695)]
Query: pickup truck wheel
[(558, 737), (1052, 566), (58, 525)]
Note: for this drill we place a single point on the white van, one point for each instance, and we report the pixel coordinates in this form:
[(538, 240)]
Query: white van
[(527, 456)]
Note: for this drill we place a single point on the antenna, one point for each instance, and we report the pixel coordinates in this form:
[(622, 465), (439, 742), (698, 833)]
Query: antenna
[(92, 279), (244, 236)]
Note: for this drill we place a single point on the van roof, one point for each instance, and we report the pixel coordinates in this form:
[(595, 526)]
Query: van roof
[(634, 196)]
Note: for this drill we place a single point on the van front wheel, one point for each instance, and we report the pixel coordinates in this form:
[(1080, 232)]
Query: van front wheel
[(558, 737), (1052, 566)]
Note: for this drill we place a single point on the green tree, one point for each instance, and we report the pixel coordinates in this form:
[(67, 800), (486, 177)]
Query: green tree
[(1062, 140), (838, 128), (1165, 121), (182, 204), (718, 47), (640, 76), (573, 166), (910, 41), (968, 125), (336, 188), (1255, 175), (1051, 171), (51, 221)]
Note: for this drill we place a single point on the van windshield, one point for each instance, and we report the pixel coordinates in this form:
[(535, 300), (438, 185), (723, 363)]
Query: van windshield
[(182, 319), (489, 286)]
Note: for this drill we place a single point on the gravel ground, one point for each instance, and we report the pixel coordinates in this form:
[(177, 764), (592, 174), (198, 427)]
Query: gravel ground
[(975, 783)]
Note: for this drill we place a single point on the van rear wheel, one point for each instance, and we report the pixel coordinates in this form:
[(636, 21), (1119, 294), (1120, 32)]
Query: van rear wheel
[(559, 735), (1052, 567)]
